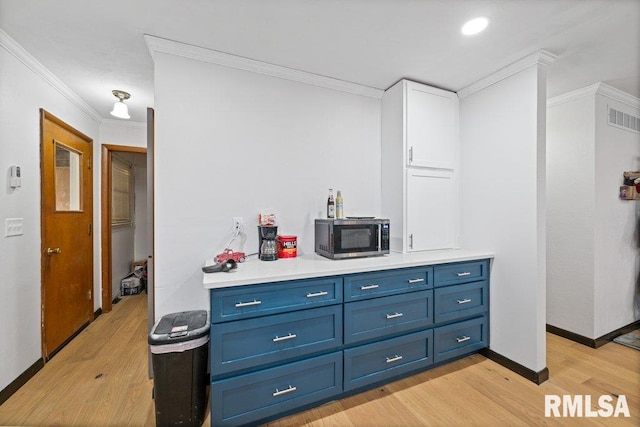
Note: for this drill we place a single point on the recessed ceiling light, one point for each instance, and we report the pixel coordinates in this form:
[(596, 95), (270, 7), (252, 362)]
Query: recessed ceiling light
[(475, 26)]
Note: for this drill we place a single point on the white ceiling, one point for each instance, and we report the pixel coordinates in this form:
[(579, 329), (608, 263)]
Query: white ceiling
[(95, 46)]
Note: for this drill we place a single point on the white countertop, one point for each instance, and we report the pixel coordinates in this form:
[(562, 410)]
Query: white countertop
[(312, 265)]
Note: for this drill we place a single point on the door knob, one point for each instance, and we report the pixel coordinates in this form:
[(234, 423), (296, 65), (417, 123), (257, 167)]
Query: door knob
[(51, 251)]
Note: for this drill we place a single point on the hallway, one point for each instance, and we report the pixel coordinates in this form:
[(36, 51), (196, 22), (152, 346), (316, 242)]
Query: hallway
[(99, 379)]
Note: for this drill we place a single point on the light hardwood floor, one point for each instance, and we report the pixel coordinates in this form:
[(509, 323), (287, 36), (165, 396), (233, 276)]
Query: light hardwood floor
[(100, 379)]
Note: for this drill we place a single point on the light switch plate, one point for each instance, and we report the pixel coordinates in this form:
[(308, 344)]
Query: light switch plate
[(13, 227)]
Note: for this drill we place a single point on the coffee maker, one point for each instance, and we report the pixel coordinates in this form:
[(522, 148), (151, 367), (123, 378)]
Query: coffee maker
[(267, 245)]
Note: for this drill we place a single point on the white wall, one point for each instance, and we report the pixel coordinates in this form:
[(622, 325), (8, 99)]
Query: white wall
[(617, 233), (570, 215), (122, 132), (23, 91), (593, 255), (230, 143), (502, 206)]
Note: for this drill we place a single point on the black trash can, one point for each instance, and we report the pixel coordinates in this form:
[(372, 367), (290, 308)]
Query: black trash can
[(180, 353)]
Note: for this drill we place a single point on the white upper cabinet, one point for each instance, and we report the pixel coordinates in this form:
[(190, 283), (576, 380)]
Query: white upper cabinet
[(420, 167), (431, 209), (431, 126)]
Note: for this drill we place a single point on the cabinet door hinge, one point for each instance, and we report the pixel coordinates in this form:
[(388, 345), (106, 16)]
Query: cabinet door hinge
[(89, 293), (90, 230), (90, 162)]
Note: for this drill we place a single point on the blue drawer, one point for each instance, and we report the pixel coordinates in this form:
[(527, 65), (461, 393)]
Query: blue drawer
[(250, 343), (460, 338), (258, 300), (462, 272), (371, 363), (460, 301), (378, 317), (248, 398), (370, 285)]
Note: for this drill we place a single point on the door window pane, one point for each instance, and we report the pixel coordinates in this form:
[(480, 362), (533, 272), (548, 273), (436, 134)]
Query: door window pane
[(67, 179)]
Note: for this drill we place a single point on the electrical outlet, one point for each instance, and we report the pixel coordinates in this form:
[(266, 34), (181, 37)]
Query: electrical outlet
[(238, 223)]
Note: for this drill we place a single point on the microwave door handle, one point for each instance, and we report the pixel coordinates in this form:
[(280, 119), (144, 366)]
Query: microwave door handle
[(379, 248)]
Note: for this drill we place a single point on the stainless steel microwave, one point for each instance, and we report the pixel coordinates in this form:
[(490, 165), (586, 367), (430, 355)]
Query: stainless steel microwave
[(352, 237)]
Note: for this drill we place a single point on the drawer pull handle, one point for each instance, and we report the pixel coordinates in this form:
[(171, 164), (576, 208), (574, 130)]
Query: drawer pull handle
[(248, 304), (317, 294), (416, 280), (463, 301), (366, 288), (466, 273), (287, 337), (394, 359), (285, 391), (393, 316), (462, 339)]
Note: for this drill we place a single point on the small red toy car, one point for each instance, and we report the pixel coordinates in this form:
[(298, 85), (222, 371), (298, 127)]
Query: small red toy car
[(228, 254)]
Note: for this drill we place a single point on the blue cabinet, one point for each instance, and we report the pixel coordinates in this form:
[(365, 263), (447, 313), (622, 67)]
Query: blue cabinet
[(277, 347), (380, 317), (251, 343), (461, 272), (381, 283), (372, 363), (247, 398), (461, 301), (460, 338), (270, 298)]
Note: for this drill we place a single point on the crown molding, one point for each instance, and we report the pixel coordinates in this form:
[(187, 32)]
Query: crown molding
[(573, 95), (41, 71), (596, 89), (618, 95), (541, 57), (156, 44)]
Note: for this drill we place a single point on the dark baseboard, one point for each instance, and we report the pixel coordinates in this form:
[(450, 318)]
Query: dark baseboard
[(580, 339), (591, 342), (620, 331), (20, 381), (67, 341), (15, 385), (531, 375)]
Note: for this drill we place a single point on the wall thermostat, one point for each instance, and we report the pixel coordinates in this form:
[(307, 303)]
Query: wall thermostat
[(15, 177)]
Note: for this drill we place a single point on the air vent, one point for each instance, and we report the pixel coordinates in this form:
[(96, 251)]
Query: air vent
[(624, 120)]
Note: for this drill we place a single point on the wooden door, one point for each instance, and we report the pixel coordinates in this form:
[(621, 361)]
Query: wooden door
[(67, 241)]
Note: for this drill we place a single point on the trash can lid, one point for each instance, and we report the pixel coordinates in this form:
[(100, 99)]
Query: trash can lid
[(179, 327)]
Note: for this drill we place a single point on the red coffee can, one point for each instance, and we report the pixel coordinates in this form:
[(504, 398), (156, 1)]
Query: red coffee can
[(287, 246)]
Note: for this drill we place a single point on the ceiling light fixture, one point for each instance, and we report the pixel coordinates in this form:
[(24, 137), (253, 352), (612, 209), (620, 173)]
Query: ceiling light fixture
[(475, 26), (120, 109)]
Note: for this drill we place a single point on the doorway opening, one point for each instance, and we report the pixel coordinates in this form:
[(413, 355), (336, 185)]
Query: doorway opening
[(123, 216)]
